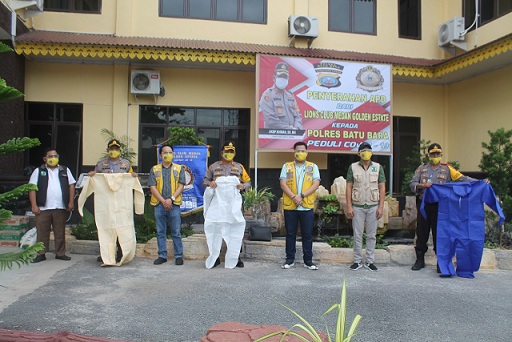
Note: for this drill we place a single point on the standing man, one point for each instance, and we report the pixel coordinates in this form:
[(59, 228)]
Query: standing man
[(278, 105), (366, 190), (434, 172), (233, 223), (299, 180), (52, 202), (166, 182), (113, 164)]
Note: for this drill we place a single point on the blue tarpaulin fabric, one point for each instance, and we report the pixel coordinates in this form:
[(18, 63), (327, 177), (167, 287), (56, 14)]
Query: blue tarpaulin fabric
[(461, 224)]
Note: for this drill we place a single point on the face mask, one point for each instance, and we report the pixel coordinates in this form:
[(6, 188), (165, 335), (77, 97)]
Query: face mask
[(301, 155), (228, 156), (435, 161), (366, 155), (168, 158), (281, 83), (114, 154), (52, 161)]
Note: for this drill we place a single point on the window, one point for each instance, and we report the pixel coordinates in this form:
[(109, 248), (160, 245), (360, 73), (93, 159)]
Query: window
[(55, 125), (247, 11), (79, 6), (409, 16), (357, 16), (489, 10), (214, 125)]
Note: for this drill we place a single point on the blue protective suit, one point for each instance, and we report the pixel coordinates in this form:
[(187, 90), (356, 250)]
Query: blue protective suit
[(461, 224)]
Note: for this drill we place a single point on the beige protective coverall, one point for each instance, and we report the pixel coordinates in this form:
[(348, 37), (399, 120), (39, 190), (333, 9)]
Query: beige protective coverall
[(113, 211)]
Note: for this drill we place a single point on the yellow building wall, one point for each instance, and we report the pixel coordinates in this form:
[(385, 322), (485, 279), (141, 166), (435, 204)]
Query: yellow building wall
[(140, 18), (475, 106)]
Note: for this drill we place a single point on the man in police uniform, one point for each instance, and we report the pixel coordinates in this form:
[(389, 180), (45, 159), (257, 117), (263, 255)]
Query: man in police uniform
[(113, 164), (434, 172), (299, 180), (278, 105), (223, 168), (366, 190), (166, 182)]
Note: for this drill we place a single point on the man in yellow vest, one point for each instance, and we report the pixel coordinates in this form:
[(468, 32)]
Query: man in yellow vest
[(166, 182), (299, 180), (365, 193)]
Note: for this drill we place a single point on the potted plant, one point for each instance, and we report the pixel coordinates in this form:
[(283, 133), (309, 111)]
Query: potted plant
[(257, 203)]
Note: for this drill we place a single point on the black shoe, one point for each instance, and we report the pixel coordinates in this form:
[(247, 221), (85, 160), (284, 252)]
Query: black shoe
[(240, 264), (99, 259), (179, 261), (438, 269), (159, 261), (119, 257), (39, 258), (62, 257), (217, 263)]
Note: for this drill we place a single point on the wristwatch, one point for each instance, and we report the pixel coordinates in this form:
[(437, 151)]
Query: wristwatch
[(302, 195), (173, 199)]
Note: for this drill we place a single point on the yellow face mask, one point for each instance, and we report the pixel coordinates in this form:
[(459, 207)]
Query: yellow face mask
[(301, 155), (366, 155), (168, 157), (229, 156), (114, 154), (52, 161), (435, 160)]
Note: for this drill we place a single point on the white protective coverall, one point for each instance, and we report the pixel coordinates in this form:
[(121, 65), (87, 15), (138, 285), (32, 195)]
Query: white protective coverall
[(113, 212), (223, 219)]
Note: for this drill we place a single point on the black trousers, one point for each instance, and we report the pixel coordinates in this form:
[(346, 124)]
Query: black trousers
[(423, 226)]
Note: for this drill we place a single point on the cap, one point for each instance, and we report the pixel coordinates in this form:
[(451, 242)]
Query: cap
[(281, 70), (113, 142), (364, 144), (433, 148), (229, 146)]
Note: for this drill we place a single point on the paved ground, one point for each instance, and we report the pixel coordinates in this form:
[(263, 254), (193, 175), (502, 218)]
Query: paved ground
[(143, 302)]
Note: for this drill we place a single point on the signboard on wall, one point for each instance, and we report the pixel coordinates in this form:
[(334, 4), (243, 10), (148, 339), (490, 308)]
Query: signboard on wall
[(331, 105)]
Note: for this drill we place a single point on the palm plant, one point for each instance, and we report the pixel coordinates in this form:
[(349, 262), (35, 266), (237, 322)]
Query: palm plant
[(12, 146), (127, 152)]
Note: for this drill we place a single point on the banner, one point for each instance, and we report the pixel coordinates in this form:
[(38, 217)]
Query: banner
[(330, 105), (195, 159)]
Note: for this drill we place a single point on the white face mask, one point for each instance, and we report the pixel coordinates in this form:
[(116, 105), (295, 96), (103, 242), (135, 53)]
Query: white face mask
[(281, 83)]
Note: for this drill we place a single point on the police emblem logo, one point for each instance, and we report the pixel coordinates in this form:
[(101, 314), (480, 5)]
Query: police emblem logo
[(328, 74), (369, 79)]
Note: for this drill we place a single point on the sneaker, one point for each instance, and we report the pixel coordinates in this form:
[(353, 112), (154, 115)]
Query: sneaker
[(178, 261), (310, 266), (355, 266), (288, 265), (159, 261), (371, 267)]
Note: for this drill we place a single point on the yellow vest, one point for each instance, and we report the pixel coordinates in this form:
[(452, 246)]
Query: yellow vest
[(175, 177), (308, 201)]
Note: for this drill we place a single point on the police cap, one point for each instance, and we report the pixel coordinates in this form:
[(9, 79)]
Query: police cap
[(229, 147), (364, 145), (113, 142), (282, 70), (434, 148)]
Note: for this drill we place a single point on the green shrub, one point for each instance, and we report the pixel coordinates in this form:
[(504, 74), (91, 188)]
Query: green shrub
[(86, 229)]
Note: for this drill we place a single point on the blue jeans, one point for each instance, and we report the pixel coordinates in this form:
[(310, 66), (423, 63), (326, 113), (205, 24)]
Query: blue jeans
[(172, 216), (291, 220)]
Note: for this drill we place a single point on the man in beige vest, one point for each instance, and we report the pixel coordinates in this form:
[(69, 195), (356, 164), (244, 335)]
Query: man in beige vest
[(366, 190)]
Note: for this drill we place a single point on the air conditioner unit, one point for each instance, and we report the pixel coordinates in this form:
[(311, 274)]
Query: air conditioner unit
[(301, 26), (145, 82), (451, 31), (32, 7)]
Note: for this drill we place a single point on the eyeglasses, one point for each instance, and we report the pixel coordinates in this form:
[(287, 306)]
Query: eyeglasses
[(167, 152), (435, 154), (52, 156)]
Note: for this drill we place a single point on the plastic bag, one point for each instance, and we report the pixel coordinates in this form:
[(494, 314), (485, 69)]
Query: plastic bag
[(28, 239)]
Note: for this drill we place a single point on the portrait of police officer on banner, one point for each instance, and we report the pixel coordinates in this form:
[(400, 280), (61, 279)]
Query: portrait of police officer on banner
[(278, 105)]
